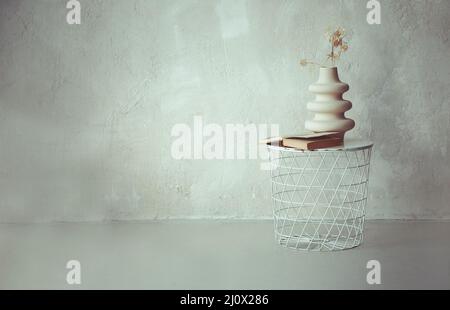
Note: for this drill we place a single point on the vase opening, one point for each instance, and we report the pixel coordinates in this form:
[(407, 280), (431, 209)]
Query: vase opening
[(328, 74)]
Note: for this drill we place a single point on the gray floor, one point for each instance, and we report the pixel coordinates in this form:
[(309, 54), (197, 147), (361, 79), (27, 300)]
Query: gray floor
[(217, 255)]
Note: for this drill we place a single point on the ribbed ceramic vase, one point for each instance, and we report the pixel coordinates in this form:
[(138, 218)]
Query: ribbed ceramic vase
[(328, 106)]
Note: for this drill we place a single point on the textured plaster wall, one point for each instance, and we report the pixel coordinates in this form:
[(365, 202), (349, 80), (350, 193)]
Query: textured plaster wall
[(86, 111)]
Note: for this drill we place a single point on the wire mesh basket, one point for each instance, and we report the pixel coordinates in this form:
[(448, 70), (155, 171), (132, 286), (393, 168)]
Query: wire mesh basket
[(319, 197)]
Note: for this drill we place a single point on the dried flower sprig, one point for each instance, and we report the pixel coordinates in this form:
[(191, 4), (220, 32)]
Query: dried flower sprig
[(338, 46)]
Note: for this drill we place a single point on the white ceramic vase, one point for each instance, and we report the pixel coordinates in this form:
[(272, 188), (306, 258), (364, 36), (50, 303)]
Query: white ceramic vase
[(329, 107)]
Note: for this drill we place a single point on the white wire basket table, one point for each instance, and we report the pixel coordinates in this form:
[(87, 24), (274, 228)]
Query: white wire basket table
[(319, 197)]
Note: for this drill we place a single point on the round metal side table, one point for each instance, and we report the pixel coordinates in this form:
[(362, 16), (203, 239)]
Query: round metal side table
[(319, 197)]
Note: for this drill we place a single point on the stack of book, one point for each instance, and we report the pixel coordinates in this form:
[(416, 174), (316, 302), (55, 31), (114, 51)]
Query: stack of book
[(309, 141)]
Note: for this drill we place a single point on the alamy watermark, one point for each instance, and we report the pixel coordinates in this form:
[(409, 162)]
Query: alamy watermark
[(374, 15), (374, 274), (213, 141), (73, 276), (73, 16)]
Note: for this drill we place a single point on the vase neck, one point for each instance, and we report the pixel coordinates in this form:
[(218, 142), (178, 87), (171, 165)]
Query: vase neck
[(327, 75)]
